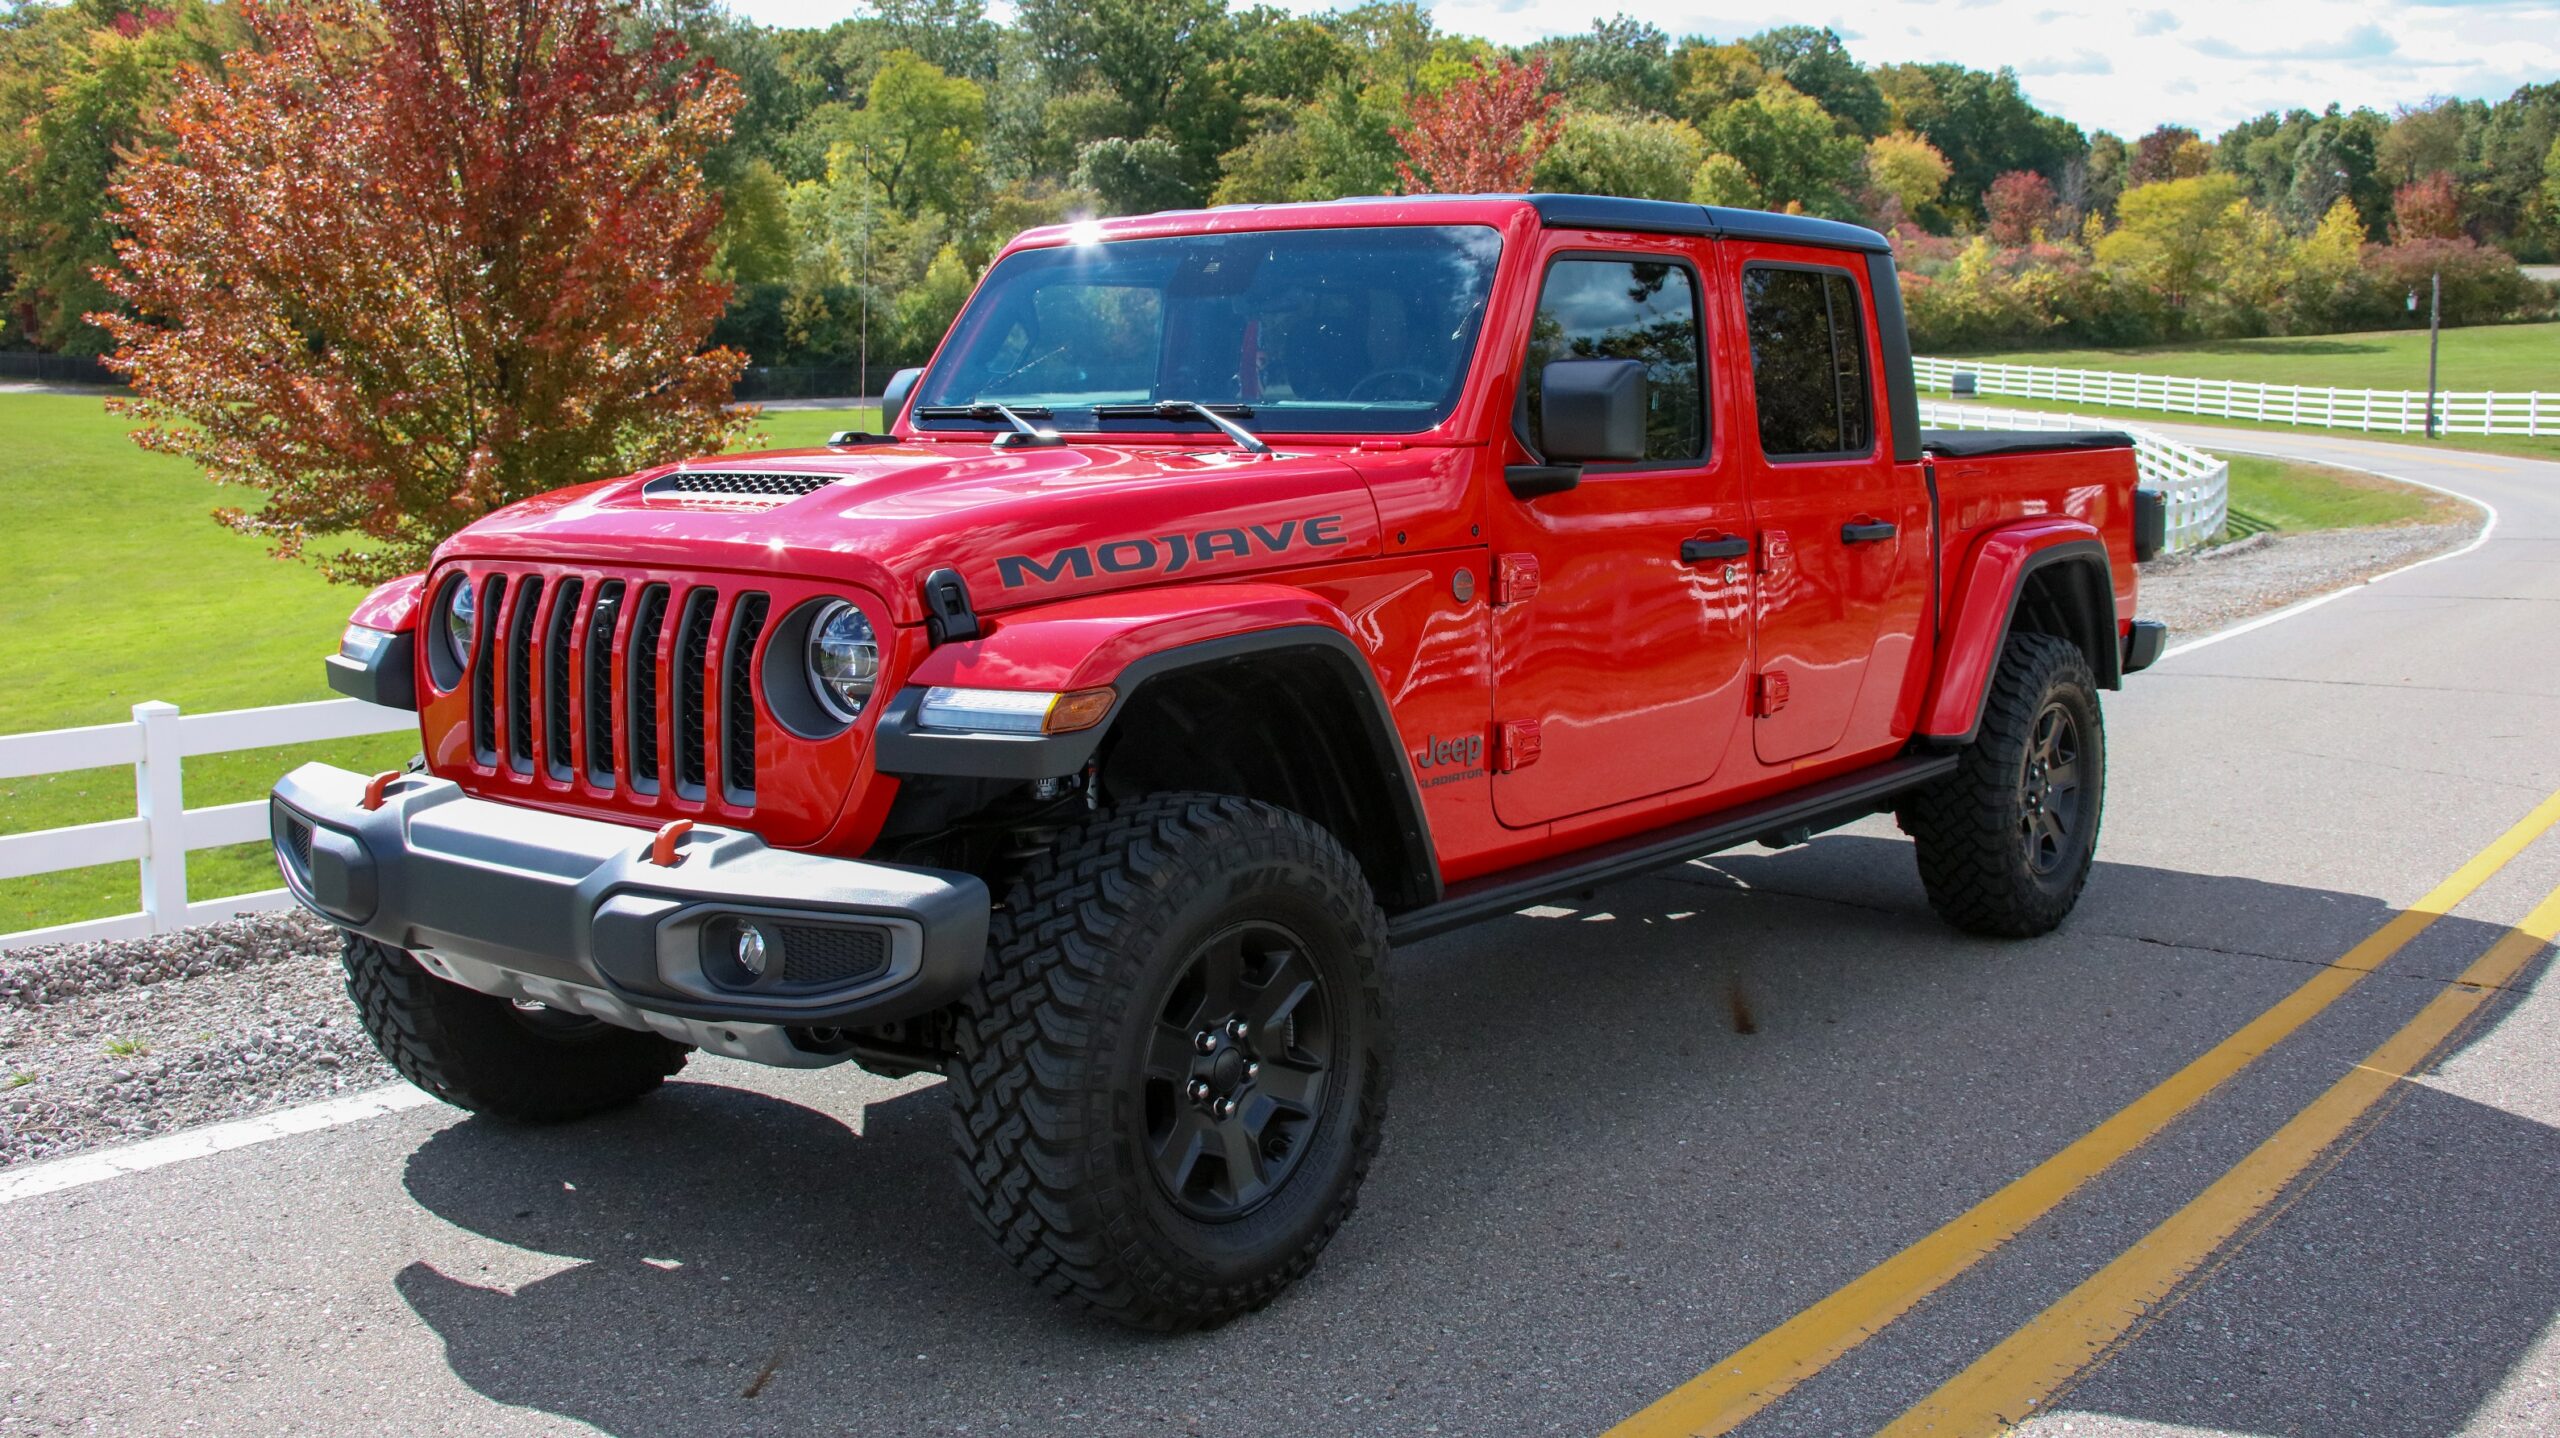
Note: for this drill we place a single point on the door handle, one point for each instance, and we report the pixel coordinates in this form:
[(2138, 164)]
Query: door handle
[(1865, 533), (1699, 551)]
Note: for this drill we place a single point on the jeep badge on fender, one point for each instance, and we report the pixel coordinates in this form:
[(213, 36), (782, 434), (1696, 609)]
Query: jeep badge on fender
[(726, 755)]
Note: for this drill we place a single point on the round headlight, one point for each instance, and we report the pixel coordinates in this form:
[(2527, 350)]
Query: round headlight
[(844, 660), (458, 613)]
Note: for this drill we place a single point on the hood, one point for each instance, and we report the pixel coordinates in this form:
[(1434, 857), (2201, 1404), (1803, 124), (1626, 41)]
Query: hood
[(1020, 525)]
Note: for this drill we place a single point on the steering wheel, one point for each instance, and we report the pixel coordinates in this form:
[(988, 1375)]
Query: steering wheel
[(1424, 382)]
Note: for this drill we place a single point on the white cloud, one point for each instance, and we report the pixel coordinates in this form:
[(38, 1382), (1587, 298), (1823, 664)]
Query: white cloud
[(2104, 66)]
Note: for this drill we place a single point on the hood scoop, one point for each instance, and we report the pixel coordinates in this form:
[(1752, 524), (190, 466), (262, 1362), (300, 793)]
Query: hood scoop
[(736, 486)]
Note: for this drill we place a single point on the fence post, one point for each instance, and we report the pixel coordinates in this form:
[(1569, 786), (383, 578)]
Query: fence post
[(160, 798)]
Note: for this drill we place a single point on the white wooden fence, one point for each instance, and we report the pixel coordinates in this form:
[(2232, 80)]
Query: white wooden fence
[(2389, 411), (2198, 484), (163, 828)]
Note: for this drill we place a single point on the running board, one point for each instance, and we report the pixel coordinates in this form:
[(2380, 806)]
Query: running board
[(1784, 818)]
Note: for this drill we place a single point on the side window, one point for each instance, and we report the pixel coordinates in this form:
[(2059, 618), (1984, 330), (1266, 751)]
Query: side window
[(1626, 309), (1808, 363)]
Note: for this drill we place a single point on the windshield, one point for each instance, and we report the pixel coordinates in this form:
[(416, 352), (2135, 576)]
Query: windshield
[(1364, 331)]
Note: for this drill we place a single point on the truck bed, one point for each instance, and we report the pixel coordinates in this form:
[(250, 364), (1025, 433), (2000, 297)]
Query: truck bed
[(1985, 443)]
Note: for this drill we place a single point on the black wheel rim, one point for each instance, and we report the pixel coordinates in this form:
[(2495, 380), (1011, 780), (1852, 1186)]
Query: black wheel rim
[(2050, 793), (1239, 1055)]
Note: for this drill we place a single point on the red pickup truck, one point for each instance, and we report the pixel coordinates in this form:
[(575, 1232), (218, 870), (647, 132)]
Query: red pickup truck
[(1236, 594)]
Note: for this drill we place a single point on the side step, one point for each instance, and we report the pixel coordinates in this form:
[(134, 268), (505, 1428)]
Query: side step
[(1787, 817)]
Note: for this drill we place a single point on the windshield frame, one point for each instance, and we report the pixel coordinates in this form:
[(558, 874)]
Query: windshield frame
[(1458, 405)]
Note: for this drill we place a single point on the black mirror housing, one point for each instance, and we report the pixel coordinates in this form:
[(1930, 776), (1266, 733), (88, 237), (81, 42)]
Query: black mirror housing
[(894, 398), (1592, 410)]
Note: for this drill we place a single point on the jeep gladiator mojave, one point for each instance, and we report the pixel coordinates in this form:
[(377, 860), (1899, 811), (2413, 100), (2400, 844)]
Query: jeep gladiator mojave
[(1235, 594)]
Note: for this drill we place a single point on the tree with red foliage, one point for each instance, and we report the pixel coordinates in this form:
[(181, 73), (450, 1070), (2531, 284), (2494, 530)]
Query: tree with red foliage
[(403, 265), (1482, 134), (2018, 204), (2427, 209)]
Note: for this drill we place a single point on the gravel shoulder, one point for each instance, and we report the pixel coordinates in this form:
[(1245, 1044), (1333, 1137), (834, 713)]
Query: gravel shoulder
[(2196, 594), (110, 1042)]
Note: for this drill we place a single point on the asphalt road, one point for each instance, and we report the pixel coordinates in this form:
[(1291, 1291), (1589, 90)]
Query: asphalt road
[(1628, 1141)]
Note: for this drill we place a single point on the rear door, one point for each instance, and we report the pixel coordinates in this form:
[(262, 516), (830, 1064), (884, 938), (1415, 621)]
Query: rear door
[(1842, 535), (1620, 660)]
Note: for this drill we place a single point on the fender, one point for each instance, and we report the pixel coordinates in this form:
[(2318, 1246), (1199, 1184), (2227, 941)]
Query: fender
[(378, 671), (1983, 605), (1125, 640)]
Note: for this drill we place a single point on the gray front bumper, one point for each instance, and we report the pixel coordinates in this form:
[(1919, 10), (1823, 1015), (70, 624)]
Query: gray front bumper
[(571, 913)]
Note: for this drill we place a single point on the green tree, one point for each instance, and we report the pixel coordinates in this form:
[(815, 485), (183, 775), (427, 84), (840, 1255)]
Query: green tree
[(2173, 233), (1153, 54), (1796, 156), (81, 84), (1622, 63), (1722, 180), (1605, 154), (1982, 122), (1135, 177), (1813, 60), (1707, 76), (917, 134), (1907, 171)]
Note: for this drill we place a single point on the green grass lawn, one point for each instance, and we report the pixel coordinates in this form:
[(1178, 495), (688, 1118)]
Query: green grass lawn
[(2499, 357), (2285, 494), (121, 588)]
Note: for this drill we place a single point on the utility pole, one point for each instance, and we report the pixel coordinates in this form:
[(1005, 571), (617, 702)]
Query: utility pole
[(862, 379), (2435, 316)]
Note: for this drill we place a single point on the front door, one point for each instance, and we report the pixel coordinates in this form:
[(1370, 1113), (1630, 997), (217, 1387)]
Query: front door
[(1620, 664), (1842, 534)]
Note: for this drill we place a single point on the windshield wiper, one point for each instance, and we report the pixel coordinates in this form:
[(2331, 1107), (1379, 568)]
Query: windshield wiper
[(1215, 414), (1024, 432)]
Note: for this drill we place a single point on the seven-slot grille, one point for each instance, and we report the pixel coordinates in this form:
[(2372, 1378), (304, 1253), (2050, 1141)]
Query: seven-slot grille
[(634, 685)]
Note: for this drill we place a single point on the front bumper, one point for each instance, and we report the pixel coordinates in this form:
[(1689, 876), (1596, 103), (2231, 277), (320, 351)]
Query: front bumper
[(572, 913)]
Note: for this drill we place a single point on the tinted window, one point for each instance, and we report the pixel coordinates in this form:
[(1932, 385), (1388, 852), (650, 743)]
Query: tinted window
[(1808, 362), (1366, 331), (1626, 309)]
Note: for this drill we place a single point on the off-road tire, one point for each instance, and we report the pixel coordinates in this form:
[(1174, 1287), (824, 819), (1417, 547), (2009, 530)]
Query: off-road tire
[(480, 1053), (1967, 828), (1050, 1079)]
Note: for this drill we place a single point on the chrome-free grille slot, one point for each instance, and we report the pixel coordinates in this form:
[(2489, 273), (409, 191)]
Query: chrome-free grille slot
[(738, 699), (520, 675), (730, 482), (693, 656), (559, 729), (484, 670), (600, 688), (648, 624), (812, 955)]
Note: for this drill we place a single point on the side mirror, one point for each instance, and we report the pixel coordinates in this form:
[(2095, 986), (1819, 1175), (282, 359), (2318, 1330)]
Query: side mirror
[(1592, 410), (894, 398)]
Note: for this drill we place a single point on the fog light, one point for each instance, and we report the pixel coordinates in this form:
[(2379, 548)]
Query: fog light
[(751, 951)]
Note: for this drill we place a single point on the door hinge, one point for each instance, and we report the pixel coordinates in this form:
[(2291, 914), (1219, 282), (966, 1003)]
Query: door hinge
[(1769, 695), (1515, 578), (1518, 745)]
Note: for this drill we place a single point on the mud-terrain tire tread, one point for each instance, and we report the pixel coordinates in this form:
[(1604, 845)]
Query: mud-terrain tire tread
[(1963, 826), (465, 1048), (1060, 976)]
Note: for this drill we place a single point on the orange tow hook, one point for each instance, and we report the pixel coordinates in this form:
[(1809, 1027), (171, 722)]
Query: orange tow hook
[(378, 785), (662, 850)]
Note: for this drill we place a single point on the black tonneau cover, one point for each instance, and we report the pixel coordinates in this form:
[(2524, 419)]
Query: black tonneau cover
[(1985, 443)]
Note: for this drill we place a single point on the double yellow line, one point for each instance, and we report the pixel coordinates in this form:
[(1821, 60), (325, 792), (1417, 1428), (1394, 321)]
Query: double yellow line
[(2081, 1329)]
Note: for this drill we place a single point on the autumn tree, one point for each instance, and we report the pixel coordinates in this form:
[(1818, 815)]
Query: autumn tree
[(401, 266), (1905, 174), (2018, 204), (1482, 134), (2427, 209)]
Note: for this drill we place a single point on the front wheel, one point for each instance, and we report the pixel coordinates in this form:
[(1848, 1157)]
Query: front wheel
[(1170, 1082), (2006, 842), (494, 1056)]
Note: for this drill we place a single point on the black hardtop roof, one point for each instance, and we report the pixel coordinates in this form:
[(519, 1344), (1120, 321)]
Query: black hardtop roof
[(1671, 217)]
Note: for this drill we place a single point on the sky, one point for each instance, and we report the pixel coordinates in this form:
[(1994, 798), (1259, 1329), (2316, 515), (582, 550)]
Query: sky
[(2123, 67)]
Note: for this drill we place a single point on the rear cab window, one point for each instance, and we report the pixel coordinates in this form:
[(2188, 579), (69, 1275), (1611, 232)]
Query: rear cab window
[(1810, 371), (1643, 308)]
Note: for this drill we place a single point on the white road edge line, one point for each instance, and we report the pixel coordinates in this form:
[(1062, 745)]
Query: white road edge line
[(59, 1174), (2307, 605), (55, 1175)]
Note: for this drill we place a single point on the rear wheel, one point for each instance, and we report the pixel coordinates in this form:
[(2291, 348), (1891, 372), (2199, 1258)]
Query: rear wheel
[(2007, 841), (496, 1056), (1171, 1081)]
